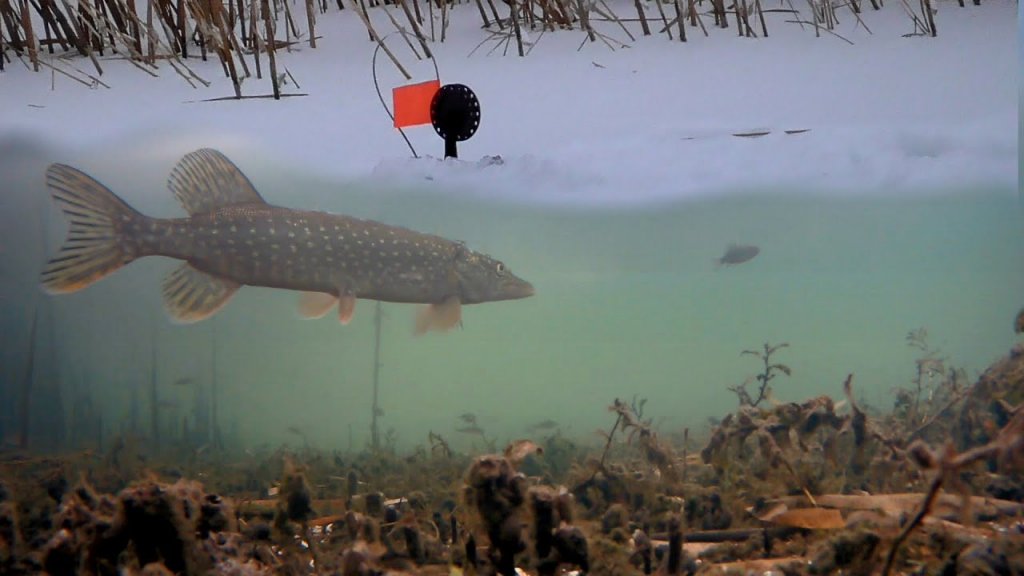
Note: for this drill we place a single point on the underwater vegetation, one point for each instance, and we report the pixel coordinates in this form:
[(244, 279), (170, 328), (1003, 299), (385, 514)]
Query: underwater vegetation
[(933, 484)]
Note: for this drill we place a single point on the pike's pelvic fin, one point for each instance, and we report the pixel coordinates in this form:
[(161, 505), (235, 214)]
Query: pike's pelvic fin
[(93, 247), (205, 180), (440, 317), (314, 305), (191, 295)]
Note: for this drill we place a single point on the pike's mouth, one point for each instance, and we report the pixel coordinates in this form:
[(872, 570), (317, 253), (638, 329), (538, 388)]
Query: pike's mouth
[(522, 289)]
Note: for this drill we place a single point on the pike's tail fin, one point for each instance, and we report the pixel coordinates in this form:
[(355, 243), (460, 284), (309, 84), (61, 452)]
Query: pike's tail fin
[(94, 247)]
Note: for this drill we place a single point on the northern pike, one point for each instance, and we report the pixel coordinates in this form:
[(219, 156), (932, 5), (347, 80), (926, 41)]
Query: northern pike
[(233, 237)]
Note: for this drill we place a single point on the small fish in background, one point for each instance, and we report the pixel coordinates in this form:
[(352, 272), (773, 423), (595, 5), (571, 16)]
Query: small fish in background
[(232, 238), (1018, 325), (737, 254), (184, 381)]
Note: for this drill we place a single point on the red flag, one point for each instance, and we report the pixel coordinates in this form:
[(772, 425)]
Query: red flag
[(412, 103)]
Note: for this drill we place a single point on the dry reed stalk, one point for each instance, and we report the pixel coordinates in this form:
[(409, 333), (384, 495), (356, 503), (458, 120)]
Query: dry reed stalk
[(288, 26), (643, 18), (491, 36), (182, 28), (376, 38), (268, 21), (832, 32), (254, 39), (564, 13), (608, 41), (252, 97), (483, 13), (85, 20), (225, 45), (239, 13), (48, 41), (814, 14), (679, 19), (401, 31), (926, 7), (749, 30), (416, 27), (724, 21), (311, 23), (66, 31), (515, 26), (444, 19), (760, 16), (150, 40), (856, 14), (5, 15), (430, 14), (547, 16), (661, 12), (102, 21), (695, 19), (584, 15), (119, 15), (611, 15), (30, 37), (918, 23), (174, 60), (497, 19), (134, 57), (55, 70), (84, 44)]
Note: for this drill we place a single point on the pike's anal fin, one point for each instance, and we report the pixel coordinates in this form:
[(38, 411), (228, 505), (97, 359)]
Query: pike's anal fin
[(205, 180), (314, 305), (439, 317), (191, 295)]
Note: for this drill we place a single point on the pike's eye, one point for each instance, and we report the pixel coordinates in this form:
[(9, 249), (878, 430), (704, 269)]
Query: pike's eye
[(500, 268)]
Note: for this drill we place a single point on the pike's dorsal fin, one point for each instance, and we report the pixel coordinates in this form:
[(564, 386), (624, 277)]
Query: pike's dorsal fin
[(205, 180), (191, 295)]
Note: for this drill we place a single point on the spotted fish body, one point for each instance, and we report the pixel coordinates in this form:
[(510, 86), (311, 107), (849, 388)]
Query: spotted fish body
[(234, 238), (738, 254)]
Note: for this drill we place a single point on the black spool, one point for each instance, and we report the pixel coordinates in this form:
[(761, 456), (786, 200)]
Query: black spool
[(455, 115)]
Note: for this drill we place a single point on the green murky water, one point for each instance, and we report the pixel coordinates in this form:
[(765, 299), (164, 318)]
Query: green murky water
[(629, 302)]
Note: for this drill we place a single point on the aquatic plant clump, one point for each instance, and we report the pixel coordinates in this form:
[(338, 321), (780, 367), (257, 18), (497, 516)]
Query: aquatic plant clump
[(808, 487)]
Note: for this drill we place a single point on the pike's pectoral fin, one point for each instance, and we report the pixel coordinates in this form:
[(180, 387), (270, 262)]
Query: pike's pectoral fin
[(205, 180), (439, 317), (314, 305), (191, 295), (346, 308)]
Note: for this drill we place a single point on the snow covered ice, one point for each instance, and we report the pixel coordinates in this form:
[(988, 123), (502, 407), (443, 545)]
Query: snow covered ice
[(655, 121)]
